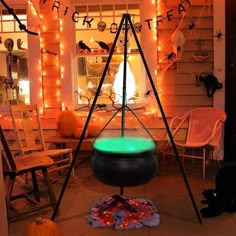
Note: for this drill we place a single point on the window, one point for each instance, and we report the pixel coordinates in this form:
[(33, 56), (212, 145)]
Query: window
[(17, 56), (8, 23), (97, 24)]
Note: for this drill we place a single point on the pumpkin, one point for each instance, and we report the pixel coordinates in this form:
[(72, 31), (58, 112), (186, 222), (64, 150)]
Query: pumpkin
[(94, 129), (67, 122), (42, 227), (78, 132)]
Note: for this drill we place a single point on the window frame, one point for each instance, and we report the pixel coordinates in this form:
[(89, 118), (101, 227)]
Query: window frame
[(115, 17)]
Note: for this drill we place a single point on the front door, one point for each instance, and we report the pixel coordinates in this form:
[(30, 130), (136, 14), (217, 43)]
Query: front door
[(230, 81)]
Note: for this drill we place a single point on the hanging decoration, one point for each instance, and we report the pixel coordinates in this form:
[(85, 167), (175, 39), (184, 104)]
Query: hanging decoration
[(181, 8), (178, 41), (211, 84), (191, 26), (101, 26), (11, 85), (219, 36)]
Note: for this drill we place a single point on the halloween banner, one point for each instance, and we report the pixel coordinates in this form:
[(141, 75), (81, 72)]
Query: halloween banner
[(57, 6)]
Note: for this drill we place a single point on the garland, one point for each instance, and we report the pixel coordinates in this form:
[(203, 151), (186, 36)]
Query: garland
[(181, 8)]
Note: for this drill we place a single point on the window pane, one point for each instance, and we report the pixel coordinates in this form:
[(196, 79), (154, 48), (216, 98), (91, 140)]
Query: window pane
[(22, 17), (107, 10), (81, 9), (20, 12), (108, 21), (118, 19), (133, 10), (89, 66), (95, 22), (94, 10), (120, 7), (7, 17), (8, 26), (17, 25)]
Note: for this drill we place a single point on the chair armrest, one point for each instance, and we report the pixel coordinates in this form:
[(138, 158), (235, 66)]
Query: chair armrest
[(218, 125), (174, 127)]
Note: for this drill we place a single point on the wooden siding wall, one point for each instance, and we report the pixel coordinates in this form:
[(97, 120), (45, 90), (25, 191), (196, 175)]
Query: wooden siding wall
[(179, 92)]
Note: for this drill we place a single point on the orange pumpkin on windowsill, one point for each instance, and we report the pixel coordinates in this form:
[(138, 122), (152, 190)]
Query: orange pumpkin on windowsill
[(42, 227), (78, 132), (67, 122), (94, 128)]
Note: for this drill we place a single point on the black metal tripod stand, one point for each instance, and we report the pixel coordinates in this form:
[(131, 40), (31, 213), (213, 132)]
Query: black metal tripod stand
[(127, 25)]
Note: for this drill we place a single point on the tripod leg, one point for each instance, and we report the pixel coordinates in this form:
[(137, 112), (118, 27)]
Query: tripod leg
[(165, 120), (76, 153)]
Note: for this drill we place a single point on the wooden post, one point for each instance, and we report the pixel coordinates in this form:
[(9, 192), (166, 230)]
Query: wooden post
[(3, 215)]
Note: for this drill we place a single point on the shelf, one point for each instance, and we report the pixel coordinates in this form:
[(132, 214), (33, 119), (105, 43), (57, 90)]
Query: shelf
[(88, 54)]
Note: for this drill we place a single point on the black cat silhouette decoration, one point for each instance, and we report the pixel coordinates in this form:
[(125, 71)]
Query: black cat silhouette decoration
[(211, 84), (223, 197)]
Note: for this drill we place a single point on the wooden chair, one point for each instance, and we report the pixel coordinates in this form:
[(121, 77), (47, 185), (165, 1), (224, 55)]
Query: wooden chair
[(17, 166), (28, 128), (202, 128)]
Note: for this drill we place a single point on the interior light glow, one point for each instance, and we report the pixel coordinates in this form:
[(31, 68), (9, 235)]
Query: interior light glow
[(130, 84)]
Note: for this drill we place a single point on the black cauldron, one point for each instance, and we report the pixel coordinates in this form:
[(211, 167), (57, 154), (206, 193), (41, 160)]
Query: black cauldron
[(124, 161)]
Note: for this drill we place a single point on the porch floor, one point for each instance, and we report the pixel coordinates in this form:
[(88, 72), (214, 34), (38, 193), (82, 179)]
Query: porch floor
[(167, 191)]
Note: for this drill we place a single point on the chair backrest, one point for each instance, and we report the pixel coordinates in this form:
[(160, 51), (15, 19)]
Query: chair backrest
[(8, 160), (205, 126), (27, 125)]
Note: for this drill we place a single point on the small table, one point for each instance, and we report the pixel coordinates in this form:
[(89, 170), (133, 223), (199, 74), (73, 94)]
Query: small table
[(62, 142), (87, 144)]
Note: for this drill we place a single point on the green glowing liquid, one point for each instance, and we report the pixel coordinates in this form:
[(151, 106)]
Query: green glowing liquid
[(124, 145)]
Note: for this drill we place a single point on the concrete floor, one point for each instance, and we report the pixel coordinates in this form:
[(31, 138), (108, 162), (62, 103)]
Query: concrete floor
[(167, 191)]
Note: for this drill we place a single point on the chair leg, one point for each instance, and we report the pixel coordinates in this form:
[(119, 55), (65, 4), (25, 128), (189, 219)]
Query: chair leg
[(9, 193), (35, 186), (49, 187), (73, 170), (182, 153), (204, 164)]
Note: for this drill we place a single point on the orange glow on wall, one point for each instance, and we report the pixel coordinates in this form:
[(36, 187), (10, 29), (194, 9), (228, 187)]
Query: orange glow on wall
[(159, 47), (52, 70)]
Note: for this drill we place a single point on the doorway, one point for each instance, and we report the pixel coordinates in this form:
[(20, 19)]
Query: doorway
[(230, 81)]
